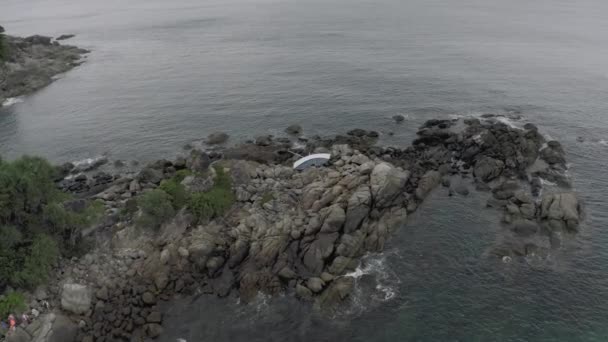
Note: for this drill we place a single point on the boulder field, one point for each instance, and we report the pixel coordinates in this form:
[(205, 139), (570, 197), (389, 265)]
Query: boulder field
[(301, 233)]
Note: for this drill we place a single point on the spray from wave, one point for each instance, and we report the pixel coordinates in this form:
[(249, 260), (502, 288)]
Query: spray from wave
[(11, 101)]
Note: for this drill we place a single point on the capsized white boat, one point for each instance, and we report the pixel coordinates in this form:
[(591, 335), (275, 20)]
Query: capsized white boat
[(316, 159)]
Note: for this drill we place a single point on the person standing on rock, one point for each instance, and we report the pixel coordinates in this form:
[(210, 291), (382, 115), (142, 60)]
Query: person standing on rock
[(12, 322)]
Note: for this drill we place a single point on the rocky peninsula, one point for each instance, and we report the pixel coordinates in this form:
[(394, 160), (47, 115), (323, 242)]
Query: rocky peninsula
[(28, 64), (239, 220)]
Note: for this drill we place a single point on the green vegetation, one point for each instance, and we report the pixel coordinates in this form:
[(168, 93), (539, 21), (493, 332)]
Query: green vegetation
[(156, 208), (3, 48), (178, 193), (10, 303), (34, 223), (215, 202)]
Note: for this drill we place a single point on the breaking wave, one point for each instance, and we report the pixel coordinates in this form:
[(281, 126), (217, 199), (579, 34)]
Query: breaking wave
[(11, 101)]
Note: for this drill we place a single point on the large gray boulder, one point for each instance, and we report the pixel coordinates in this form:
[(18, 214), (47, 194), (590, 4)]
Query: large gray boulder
[(334, 219), (318, 251), (561, 209), (488, 168), (358, 208), (76, 298), (387, 182), (217, 138)]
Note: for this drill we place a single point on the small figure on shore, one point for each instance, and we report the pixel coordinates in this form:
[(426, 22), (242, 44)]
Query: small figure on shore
[(12, 322)]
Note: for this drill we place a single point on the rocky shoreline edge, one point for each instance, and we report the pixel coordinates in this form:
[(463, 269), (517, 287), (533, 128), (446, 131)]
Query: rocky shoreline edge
[(31, 63), (286, 231), (282, 231)]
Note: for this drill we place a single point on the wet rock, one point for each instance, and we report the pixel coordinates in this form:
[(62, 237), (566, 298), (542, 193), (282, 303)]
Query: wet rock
[(561, 207), (303, 292), (398, 118), (488, 168), (525, 227), (217, 138), (38, 40), (65, 36), (315, 284), (294, 129), (428, 182)]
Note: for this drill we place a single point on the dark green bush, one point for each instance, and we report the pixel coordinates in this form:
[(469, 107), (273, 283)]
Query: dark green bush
[(156, 208), (33, 221), (3, 48), (215, 202), (10, 303), (43, 254), (178, 193)]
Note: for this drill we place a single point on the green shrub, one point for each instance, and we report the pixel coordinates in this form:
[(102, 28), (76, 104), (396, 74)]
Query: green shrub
[(11, 303), (181, 174), (34, 224), (37, 265), (156, 209), (26, 185), (215, 202), (3, 48), (178, 193)]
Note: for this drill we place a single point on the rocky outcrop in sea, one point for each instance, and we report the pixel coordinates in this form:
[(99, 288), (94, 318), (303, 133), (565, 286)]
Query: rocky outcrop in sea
[(32, 62), (302, 233)]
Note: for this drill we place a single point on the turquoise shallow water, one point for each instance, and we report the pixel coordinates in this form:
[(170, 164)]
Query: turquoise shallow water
[(163, 73)]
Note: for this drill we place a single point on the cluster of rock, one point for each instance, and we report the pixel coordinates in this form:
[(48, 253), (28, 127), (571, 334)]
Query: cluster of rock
[(303, 232), (32, 62)]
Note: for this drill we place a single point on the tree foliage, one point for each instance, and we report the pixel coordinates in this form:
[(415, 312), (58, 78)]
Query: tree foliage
[(34, 222), (3, 48)]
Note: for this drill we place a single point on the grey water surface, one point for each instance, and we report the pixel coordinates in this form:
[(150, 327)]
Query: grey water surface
[(163, 73)]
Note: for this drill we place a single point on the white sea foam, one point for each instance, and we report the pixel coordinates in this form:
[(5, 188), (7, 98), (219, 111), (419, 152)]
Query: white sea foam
[(603, 142), (375, 283), (11, 101)]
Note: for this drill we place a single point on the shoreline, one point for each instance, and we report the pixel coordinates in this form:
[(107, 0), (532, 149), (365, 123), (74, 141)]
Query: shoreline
[(32, 63), (298, 233)]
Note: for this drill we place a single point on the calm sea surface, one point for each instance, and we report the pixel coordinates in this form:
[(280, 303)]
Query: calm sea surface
[(164, 73)]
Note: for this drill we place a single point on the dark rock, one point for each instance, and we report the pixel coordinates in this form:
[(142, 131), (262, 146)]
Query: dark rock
[(150, 175), (398, 118), (153, 330), (1, 29), (488, 168), (148, 298), (37, 39), (373, 134), (217, 138), (65, 36), (461, 189), (263, 140), (525, 227), (154, 317), (357, 132), (198, 161), (294, 129)]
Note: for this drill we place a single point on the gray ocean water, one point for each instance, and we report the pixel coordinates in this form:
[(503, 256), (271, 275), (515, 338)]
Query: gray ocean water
[(164, 73)]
